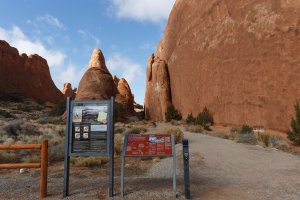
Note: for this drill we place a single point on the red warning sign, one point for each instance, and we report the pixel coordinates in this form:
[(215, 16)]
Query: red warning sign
[(149, 145)]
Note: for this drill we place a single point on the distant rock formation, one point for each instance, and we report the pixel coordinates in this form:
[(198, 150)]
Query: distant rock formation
[(26, 76), (98, 83), (68, 91), (158, 96), (239, 58), (124, 95)]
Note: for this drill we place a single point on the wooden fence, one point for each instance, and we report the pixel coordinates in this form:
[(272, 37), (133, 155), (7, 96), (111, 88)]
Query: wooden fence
[(43, 164)]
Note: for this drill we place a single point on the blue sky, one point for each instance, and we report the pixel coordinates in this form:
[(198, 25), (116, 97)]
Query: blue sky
[(66, 32)]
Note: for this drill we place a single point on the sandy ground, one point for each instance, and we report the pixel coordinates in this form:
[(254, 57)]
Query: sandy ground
[(220, 170)]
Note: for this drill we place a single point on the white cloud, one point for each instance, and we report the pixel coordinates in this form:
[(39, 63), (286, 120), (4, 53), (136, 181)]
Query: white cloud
[(16, 38), (86, 34), (124, 67), (143, 10), (70, 74), (51, 20)]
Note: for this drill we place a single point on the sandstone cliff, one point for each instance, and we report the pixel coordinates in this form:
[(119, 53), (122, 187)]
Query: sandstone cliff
[(27, 76), (239, 58)]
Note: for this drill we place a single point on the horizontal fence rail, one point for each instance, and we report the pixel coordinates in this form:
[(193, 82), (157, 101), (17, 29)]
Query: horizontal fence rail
[(43, 163)]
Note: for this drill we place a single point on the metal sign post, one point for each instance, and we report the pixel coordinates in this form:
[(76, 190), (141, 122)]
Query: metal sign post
[(186, 157), (89, 132), (162, 145)]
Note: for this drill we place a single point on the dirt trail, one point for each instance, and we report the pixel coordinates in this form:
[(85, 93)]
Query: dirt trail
[(225, 170), (220, 170)]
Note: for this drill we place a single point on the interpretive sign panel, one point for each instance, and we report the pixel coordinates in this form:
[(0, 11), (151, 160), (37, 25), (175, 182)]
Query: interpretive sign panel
[(162, 145), (149, 145), (89, 132), (89, 126)]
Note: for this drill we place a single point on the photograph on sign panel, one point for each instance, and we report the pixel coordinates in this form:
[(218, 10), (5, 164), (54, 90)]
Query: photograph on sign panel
[(94, 114), (77, 114)]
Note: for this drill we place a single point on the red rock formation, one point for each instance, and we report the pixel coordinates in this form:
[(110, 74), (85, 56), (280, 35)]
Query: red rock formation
[(238, 58), (157, 97), (68, 91), (28, 76), (97, 83), (124, 95)]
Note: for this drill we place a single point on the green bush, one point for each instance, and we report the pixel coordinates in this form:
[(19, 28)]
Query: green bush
[(178, 134), (245, 129), (204, 119), (117, 110), (172, 113), (58, 109), (294, 133), (190, 119)]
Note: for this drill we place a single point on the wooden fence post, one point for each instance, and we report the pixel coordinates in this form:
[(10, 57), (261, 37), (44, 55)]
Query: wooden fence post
[(44, 169)]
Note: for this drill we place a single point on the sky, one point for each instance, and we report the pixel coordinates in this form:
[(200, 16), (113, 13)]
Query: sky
[(66, 32)]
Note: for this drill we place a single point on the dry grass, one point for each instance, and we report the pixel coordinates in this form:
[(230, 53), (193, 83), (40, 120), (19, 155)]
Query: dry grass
[(194, 128), (89, 161), (178, 134)]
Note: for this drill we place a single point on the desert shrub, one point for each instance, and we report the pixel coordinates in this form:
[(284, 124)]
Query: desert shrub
[(119, 129), (89, 161), (13, 128), (31, 159), (263, 138), (178, 134), (204, 119), (294, 133), (175, 123), (172, 113), (136, 130), (154, 124), (8, 157), (6, 114), (190, 119), (118, 145), (56, 152), (50, 120), (233, 135), (58, 109), (221, 134), (245, 129), (117, 109), (24, 107), (194, 128), (249, 138)]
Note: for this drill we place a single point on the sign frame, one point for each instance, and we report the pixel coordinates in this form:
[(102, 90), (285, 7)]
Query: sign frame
[(124, 156), (69, 141), (100, 103)]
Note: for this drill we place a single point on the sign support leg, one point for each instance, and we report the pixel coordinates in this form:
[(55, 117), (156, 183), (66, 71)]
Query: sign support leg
[(123, 166), (111, 149), (174, 166), (67, 157)]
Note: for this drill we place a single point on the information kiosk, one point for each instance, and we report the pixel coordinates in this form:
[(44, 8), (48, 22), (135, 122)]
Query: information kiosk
[(89, 132)]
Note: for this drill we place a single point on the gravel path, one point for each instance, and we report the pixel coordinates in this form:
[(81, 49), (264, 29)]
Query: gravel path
[(224, 170), (220, 170)]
